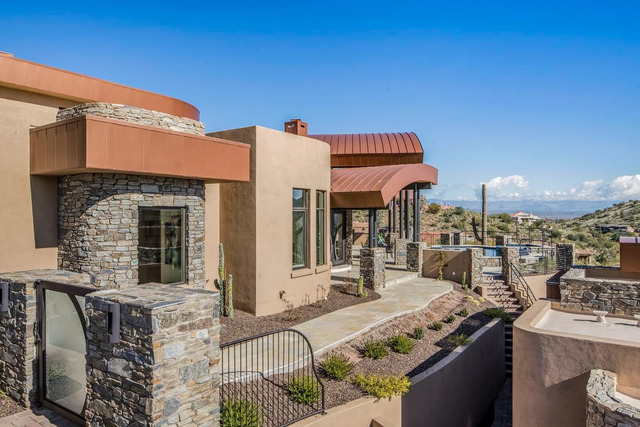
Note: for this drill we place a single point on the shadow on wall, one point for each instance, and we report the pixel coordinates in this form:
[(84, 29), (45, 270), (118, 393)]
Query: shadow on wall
[(44, 207)]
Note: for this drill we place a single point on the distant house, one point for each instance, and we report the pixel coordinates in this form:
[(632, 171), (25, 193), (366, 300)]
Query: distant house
[(524, 218), (610, 228)]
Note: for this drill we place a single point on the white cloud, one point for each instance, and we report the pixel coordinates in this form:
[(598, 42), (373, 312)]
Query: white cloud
[(513, 187)]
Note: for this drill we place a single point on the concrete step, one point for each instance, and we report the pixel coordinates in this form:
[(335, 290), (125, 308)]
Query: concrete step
[(404, 278)]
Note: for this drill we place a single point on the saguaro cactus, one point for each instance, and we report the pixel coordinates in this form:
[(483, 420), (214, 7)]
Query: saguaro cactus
[(225, 287)]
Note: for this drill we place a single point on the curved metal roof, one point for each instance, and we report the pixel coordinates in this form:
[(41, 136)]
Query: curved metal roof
[(375, 186), (373, 149)]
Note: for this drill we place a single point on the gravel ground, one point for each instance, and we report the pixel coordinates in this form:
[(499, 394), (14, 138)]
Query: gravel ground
[(244, 325), (427, 352), (8, 406)]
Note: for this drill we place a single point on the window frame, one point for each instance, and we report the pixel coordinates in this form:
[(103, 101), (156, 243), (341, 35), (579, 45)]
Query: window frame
[(305, 233), (321, 243), (183, 241)]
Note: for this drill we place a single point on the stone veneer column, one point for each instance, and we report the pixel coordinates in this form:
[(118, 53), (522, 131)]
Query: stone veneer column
[(400, 250), (165, 371), (509, 256), (372, 262), (604, 407), (18, 377), (415, 256), (565, 256), (476, 266), (98, 224)]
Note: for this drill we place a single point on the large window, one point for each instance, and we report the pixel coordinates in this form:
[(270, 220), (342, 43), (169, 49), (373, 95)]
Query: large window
[(161, 249), (320, 228), (300, 220)]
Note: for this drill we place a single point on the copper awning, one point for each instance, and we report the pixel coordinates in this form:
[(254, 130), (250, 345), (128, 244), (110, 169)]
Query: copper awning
[(96, 144), (374, 187), (373, 149)]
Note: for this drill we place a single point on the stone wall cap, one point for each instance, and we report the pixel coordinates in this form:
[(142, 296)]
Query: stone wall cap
[(154, 296), (50, 275)]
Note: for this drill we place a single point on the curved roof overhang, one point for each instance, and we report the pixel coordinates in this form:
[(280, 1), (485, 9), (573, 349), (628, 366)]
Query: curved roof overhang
[(373, 149), (38, 78), (374, 187)]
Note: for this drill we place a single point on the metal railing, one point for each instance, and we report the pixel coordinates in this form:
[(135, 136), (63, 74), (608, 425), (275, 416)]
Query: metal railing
[(258, 373), (520, 284)]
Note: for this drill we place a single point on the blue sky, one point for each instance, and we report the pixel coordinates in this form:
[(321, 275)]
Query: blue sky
[(541, 100)]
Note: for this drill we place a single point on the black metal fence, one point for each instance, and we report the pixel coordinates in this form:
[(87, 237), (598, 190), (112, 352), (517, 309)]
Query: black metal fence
[(269, 380)]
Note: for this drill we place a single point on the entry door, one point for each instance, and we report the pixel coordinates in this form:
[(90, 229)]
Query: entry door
[(338, 237), (62, 346)]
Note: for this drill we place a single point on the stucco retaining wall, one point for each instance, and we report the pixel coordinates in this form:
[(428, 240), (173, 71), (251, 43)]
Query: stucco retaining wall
[(456, 263), (457, 391)]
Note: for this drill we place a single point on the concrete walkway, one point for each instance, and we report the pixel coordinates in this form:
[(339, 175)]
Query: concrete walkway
[(38, 417), (332, 329)]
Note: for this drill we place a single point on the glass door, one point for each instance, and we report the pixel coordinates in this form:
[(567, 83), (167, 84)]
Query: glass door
[(62, 348), (338, 237)]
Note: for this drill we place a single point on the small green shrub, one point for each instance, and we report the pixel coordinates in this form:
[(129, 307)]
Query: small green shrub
[(240, 412), (336, 366), (436, 326), (463, 313), (459, 339), (498, 312), (401, 344), (304, 389), (449, 319), (383, 386), (418, 333), (375, 349)]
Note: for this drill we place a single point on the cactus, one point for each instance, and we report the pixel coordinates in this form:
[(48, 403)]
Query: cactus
[(361, 292), (224, 287), (464, 280)]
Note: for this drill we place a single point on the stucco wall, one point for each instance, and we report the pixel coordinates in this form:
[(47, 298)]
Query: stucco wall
[(457, 263), (256, 220), (457, 391), (551, 370), (28, 212)]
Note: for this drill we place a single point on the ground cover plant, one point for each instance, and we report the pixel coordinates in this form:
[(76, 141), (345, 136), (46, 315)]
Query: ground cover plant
[(450, 318), (336, 366), (305, 389), (463, 313), (436, 326), (499, 313), (383, 386), (401, 344), (240, 412), (418, 333), (459, 339), (375, 349)]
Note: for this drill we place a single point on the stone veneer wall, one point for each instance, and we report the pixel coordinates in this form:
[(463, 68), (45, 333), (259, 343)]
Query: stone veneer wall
[(476, 259), (372, 262), (349, 231), (98, 224), (136, 115), (400, 251), (165, 371), (604, 409), (617, 296), (17, 338)]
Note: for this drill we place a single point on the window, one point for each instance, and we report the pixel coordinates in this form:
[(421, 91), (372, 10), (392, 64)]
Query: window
[(300, 220), (320, 228), (161, 248)]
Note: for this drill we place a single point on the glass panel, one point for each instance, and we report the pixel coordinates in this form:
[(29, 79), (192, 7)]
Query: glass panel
[(299, 198), (320, 228), (299, 241), (65, 375), (160, 247), (338, 240)]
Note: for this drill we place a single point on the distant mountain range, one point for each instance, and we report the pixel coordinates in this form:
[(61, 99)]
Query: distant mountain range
[(556, 209)]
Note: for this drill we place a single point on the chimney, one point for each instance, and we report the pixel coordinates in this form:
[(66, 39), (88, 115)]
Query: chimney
[(296, 127)]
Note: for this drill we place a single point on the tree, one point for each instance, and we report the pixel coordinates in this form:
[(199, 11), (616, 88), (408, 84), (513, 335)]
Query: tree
[(434, 208)]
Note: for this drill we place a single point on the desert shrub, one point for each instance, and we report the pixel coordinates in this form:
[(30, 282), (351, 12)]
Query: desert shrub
[(436, 326), (336, 366), (498, 312), (459, 339), (463, 313), (240, 412), (383, 386), (418, 333), (375, 349), (304, 389), (449, 319), (401, 344)]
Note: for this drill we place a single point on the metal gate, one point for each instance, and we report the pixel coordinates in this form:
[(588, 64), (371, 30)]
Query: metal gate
[(62, 346), (258, 374)]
